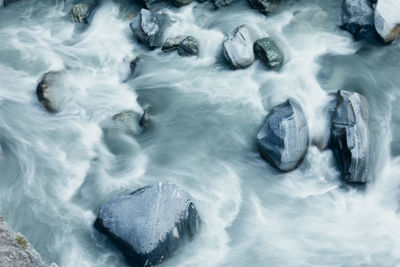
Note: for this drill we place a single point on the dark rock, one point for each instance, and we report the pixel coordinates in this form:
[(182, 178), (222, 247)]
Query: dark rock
[(268, 52), (148, 28), (7, 2), (150, 224), (180, 3), (172, 43), (188, 47), (44, 91), (284, 138), (238, 48), (134, 63), (15, 250), (264, 6), (358, 18), (350, 136), (221, 3)]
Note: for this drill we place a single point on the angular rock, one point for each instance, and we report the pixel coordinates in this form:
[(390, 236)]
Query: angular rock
[(148, 28), (172, 43), (387, 19), (45, 91), (284, 138), (149, 224), (358, 18), (238, 48), (188, 47), (268, 52), (264, 6), (350, 136), (180, 3), (15, 250)]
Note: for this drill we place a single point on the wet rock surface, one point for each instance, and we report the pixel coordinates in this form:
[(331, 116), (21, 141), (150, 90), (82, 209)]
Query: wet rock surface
[(268, 52), (284, 138), (265, 6), (358, 18), (148, 28), (149, 224), (350, 136), (238, 48)]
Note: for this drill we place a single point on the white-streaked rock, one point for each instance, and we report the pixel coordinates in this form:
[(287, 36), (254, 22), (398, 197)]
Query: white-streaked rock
[(387, 19), (238, 48)]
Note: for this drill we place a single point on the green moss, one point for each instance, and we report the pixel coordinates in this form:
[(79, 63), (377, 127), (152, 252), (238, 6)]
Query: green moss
[(22, 242)]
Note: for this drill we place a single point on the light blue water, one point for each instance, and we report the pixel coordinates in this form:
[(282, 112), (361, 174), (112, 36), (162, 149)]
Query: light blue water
[(57, 169)]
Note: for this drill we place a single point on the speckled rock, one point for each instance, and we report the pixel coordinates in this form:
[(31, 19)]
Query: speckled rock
[(188, 47), (265, 6), (268, 52), (358, 18), (148, 28), (238, 48), (45, 91), (284, 138), (350, 136), (80, 12), (16, 251), (149, 224), (172, 43)]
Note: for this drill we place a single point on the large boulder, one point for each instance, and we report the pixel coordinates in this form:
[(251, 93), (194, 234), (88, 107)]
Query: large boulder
[(350, 136), (284, 138), (45, 91), (268, 52), (238, 48), (148, 28), (358, 18), (264, 6), (387, 19), (149, 224), (15, 250)]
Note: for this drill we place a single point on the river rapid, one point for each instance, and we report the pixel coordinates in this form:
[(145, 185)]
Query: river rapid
[(57, 169)]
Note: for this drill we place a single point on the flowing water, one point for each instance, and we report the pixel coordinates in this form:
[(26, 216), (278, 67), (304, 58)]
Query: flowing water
[(57, 169)]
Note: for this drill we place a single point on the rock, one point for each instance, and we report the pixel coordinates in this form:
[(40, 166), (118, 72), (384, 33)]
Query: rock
[(80, 12), (268, 52), (172, 43), (238, 48), (221, 3), (45, 91), (358, 18), (387, 19), (15, 250), (149, 224), (180, 3), (350, 136), (264, 6), (134, 63), (148, 28), (129, 121), (188, 47), (284, 138)]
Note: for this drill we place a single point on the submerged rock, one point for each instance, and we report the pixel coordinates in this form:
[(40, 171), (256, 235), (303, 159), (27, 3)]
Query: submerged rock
[(80, 12), (387, 19), (265, 6), (45, 91), (149, 224), (238, 48), (15, 250), (350, 136), (134, 63), (221, 3), (148, 28), (358, 18), (129, 121), (172, 43), (268, 52), (180, 3), (284, 138), (188, 47)]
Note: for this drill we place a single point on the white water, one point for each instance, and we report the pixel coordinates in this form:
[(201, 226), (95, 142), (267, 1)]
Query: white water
[(57, 169)]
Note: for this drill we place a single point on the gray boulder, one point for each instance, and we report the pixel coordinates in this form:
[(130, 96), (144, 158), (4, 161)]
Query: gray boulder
[(148, 28), (358, 18), (188, 47), (15, 250), (238, 48), (172, 43), (45, 91), (264, 6), (387, 19), (350, 136), (268, 52), (284, 138), (149, 224)]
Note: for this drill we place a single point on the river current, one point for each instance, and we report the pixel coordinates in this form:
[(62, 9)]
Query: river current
[(57, 169)]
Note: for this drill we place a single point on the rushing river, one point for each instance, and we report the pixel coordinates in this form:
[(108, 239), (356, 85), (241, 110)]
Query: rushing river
[(57, 169)]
